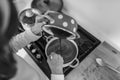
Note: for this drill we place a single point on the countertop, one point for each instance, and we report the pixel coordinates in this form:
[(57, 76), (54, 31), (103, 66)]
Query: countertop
[(88, 69)]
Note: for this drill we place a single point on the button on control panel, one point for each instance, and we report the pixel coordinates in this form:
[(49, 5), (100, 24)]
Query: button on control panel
[(35, 52)]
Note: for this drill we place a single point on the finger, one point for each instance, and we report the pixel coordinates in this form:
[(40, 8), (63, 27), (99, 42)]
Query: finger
[(48, 60), (36, 11), (39, 26), (59, 55), (53, 55), (29, 13), (49, 18), (39, 18), (50, 57), (60, 58)]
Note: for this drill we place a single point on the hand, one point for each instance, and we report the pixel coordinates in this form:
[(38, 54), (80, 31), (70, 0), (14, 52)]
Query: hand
[(55, 62), (37, 28), (40, 22)]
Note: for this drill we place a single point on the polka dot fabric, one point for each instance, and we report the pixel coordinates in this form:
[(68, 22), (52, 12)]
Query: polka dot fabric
[(62, 21)]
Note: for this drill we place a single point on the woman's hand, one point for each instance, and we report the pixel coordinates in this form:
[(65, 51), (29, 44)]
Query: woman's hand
[(37, 28), (55, 62)]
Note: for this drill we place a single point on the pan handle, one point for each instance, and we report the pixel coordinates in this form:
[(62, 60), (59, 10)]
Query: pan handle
[(48, 38), (74, 65)]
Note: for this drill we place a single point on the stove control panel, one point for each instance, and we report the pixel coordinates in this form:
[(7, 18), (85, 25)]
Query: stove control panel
[(35, 52)]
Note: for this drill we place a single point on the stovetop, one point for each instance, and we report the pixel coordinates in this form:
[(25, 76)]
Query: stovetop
[(86, 43)]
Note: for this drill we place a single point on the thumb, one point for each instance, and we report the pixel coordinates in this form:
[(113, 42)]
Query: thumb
[(38, 19), (39, 26)]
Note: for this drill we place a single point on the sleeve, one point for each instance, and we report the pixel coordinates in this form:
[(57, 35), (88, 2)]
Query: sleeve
[(21, 40), (57, 77)]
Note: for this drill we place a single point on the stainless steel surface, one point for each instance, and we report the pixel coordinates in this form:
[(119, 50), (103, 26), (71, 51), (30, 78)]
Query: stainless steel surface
[(74, 59)]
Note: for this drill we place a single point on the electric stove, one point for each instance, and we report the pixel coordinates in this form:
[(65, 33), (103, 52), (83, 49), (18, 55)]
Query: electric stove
[(86, 43)]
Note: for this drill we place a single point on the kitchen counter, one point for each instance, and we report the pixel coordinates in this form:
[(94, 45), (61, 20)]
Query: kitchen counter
[(88, 68)]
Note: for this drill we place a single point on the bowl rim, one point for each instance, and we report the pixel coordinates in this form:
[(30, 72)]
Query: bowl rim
[(73, 34), (69, 63)]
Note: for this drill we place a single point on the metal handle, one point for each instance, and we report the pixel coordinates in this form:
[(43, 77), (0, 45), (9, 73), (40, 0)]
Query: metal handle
[(73, 66), (48, 38)]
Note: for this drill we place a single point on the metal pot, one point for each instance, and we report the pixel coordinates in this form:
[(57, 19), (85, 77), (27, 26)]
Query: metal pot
[(69, 50), (56, 23), (27, 17), (44, 5), (61, 25)]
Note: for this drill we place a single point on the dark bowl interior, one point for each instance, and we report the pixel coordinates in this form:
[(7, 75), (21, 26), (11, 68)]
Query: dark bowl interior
[(26, 20), (64, 47), (58, 32)]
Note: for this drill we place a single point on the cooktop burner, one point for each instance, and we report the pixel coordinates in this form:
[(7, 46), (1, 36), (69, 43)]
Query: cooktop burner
[(86, 43)]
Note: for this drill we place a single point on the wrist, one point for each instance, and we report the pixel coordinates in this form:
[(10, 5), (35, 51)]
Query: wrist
[(36, 32), (57, 71)]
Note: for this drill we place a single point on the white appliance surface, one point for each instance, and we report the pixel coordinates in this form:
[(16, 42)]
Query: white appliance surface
[(100, 17)]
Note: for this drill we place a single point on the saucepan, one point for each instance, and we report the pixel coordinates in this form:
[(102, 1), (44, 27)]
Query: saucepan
[(27, 17), (56, 23), (66, 48), (61, 25)]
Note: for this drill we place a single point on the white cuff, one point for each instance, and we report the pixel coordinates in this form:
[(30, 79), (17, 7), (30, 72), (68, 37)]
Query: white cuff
[(57, 77)]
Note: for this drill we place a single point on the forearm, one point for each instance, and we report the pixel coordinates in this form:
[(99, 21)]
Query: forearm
[(21, 40), (57, 77)]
